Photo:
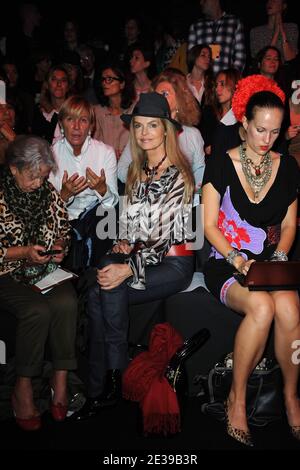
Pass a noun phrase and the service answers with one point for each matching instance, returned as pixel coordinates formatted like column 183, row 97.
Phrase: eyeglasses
column 110, row 79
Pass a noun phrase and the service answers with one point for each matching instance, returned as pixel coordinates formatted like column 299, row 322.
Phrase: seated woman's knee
column 69, row 302
column 287, row 309
column 261, row 308
column 38, row 313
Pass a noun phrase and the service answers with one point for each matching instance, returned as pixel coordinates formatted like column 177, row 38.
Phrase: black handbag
column 175, row 372
column 264, row 392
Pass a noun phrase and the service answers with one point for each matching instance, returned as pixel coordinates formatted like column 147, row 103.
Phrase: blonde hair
column 174, row 154
column 74, row 106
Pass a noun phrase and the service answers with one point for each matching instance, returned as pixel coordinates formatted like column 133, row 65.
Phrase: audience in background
column 219, row 112
column 21, row 100
column 142, row 67
column 200, row 76
column 54, row 92
column 223, row 32
column 116, row 95
column 276, row 33
column 7, row 125
column 87, row 61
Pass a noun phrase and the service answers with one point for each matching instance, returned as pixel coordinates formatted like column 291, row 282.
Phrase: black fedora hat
column 152, row 105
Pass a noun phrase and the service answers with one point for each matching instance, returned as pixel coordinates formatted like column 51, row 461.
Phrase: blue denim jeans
column 108, row 312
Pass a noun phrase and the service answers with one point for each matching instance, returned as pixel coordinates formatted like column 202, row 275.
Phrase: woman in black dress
column 250, row 207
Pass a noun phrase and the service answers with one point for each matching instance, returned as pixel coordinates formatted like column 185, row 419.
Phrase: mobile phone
column 50, row 252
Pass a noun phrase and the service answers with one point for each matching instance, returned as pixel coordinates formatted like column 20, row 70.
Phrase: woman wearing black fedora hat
column 149, row 260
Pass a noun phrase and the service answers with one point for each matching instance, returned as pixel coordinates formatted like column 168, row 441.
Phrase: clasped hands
column 114, row 274
column 75, row 184
column 278, row 23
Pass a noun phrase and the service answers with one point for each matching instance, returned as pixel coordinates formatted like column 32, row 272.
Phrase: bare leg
column 250, row 341
column 59, row 385
column 287, row 330
column 22, row 399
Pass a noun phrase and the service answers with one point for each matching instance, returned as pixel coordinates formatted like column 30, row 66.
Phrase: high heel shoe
column 58, row 411
column 244, row 437
column 33, row 423
column 174, row 371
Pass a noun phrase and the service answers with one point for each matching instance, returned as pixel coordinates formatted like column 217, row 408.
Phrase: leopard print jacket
column 12, row 229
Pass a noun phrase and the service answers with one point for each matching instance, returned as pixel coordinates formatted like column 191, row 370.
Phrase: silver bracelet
column 279, row 255
column 231, row 255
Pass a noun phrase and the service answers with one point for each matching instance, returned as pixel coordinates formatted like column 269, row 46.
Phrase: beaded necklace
column 262, row 172
column 151, row 172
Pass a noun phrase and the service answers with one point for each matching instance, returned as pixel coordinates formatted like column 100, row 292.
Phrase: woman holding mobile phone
column 34, row 236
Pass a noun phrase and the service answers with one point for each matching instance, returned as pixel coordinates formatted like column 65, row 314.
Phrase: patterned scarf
column 31, row 208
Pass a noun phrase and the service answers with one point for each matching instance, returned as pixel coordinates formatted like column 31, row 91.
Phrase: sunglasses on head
column 110, row 79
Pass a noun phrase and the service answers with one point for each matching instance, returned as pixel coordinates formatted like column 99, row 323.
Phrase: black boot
column 112, row 392
column 109, row 397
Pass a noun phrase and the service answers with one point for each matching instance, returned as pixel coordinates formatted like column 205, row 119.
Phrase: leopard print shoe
column 239, row 435
column 295, row 431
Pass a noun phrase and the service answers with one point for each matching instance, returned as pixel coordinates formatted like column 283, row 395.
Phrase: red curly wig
column 246, row 87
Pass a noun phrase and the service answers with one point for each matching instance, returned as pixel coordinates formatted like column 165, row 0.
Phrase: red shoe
column 27, row 424
column 58, row 411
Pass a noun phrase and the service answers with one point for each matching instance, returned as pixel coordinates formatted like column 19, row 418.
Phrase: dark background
column 104, row 18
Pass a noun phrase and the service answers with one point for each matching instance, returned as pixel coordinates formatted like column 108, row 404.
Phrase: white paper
column 54, row 278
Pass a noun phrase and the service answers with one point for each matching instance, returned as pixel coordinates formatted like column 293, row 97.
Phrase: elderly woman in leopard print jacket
column 33, row 219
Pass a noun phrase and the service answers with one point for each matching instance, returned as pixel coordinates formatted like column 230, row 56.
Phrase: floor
column 116, row 432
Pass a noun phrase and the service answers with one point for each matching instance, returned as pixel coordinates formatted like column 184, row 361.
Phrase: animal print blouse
column 155, row 219
column 12, row 229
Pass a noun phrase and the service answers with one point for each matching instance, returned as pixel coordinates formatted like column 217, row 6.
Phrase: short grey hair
column 30, row 152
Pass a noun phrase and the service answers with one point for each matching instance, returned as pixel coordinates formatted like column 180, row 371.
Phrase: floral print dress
column 254, row 229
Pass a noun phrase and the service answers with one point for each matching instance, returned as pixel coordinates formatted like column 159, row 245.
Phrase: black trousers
column 51, row 316
column 108, row 312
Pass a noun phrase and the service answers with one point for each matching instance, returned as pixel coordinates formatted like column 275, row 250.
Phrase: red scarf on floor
column 144, row 381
